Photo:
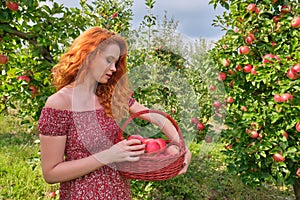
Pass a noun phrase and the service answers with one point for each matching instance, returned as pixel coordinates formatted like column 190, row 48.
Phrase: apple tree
column 33, row 35
column 260, row 54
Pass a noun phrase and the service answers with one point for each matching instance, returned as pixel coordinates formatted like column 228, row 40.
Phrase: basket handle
column 135, row 115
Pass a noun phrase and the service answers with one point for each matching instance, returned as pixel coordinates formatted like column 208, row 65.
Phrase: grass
column 207, row 178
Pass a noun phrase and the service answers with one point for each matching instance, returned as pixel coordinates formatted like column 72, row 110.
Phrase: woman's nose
column 113, row 68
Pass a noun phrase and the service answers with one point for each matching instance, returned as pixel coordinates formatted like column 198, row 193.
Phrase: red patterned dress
column 87, row 132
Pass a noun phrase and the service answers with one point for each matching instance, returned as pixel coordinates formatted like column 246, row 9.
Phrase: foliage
column 34, row 37
column 254, row 107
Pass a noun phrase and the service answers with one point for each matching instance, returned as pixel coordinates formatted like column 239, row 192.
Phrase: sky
column 195, row 17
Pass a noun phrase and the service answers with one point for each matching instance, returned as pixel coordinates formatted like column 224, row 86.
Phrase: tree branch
column 31, row 39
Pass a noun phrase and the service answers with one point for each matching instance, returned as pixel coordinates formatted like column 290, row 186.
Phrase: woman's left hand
column 186, row 162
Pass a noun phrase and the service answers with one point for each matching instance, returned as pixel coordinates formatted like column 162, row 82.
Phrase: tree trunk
column 296, row 187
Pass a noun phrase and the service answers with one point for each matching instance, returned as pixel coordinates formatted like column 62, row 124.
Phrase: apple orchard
column 258, row 59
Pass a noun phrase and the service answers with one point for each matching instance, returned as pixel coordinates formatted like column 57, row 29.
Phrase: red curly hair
column 72, row 67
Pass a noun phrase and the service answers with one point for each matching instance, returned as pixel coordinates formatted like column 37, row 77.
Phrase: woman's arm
column 162, row 122
column 55, row 169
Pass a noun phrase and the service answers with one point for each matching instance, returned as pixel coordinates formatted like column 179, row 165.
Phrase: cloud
column 195, row 17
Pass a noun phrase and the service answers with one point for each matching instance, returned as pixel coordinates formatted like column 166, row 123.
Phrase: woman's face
column 103, row 65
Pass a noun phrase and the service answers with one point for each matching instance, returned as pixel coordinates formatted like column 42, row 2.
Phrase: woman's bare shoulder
column 61, row 100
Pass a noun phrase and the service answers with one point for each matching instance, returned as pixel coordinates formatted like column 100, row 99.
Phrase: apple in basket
column 172, row 149
column 154, row 145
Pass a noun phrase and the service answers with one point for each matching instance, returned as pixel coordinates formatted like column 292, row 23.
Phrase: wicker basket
column 153, row 167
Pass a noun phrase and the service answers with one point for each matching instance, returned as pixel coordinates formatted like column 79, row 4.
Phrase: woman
column 78, row 124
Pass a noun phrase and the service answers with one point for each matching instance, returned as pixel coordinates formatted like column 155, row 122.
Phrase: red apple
column 139, row 137
column 251, row 7
column 295, row 22
column 161, row 142
column 253, row 71
column 200, row 126
column 33, row 89
column 298, row 126
column 24, row 78
column 286, row 97
column 285, row 9
column 3, row 59
column 247, row 68
column 291, row 75
column 285, row 134
column 195, row 120
column 229, row 100
column 152, row 146
column 296, row 68
column 52, row 194
column 217, row 104
column 226, row 63
column 172, row 149
column 244, row 50
column 278, row 157
column 298, row 172
column 222, row 76
column 244, row 108
column 268, row 58
column 248, row 40
column 238, row 68
column 208, row 139
column 145, row 140
column 277, row 98
column 12, row 5
column 212, row 87
column 114, row 15
column 253, row 134
column 257, row 10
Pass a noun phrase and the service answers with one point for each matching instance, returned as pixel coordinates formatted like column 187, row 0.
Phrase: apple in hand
column 139, row 137
column 291, row 75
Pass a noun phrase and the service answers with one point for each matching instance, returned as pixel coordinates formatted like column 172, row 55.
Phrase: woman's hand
column 186, row 162
column 126, row 150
